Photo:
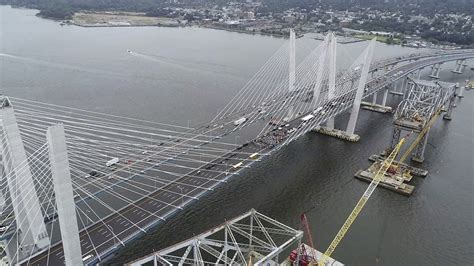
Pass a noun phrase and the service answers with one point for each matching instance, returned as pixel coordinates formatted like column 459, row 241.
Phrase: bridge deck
column 214, row 173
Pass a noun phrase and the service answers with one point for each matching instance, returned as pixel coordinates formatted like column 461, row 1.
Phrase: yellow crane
column 355, row 212
column 420, row 136
column 375, row 181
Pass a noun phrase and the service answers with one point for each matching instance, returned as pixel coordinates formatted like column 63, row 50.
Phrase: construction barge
column 396, row 177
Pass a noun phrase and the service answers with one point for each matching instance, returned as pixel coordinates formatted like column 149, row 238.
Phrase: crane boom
column 420, row 136
column 304, row 223
column 355, row 212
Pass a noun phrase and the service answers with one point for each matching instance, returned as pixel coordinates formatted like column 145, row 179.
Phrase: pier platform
column 376, row 107
column 337, row 133
column 396, row 93
column 413, row 170
column 394, row 183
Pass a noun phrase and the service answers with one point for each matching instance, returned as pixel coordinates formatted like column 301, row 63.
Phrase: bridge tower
column 364, row 68
column 320, row 67
column 360, row 91
column 292, row 61
column 292, row 70
column 64, row 194
column 332, row 73
column 31, row 230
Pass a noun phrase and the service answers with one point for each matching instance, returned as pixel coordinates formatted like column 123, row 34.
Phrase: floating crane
column 363, row 200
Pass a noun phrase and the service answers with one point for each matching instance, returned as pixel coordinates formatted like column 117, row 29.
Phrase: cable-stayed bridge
column 122, row 176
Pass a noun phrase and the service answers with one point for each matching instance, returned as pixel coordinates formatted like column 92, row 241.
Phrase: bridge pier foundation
column 419, row 73
column 435, row 70
column 64, row 195
column 374, row 98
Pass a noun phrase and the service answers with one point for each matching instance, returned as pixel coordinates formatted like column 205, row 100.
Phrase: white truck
column 317, row 110
column 240, row 121
column 307, row 118
column 112, row 162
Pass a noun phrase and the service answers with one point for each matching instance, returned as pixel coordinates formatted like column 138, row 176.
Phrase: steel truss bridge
column 76, row 184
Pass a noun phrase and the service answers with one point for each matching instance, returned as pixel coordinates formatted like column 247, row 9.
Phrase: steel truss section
column 423, row 99
column 249, row 237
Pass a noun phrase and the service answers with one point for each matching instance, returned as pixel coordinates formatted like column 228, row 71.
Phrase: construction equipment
column 363, row 200
column 420, row 136
column 305, row 224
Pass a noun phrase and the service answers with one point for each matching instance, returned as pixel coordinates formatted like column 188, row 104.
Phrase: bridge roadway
column 161, row 203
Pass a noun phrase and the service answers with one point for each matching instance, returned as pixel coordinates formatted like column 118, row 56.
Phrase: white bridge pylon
column 17, row 176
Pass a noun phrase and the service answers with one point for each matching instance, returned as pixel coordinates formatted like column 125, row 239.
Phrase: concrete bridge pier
column 460, row 66
column 419, row 73
column 419, row 154
column 435, row 69
column 379, row 108
column 396, row 133
column 461, row 92
column 449, row 112
column 398, row 87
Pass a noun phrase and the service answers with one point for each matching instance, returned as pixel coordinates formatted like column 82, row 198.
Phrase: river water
column 190, row 74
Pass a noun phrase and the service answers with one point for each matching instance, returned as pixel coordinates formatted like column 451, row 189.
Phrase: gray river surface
column 185, row 75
